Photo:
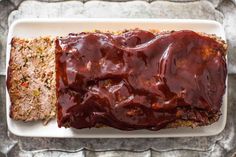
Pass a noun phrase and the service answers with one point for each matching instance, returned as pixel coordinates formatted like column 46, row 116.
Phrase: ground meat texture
column 31, row 79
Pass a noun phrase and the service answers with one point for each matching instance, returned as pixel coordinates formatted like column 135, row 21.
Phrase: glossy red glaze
column 138, row 80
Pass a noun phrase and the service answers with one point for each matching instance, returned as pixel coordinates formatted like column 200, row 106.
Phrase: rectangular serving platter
column 31, row 28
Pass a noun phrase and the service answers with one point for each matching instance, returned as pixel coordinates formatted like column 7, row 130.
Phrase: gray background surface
column 223, row 144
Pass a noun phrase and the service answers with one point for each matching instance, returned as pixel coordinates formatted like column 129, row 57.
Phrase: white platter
column 30, row 28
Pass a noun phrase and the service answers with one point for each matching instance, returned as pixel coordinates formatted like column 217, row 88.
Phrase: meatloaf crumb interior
column 31, row 79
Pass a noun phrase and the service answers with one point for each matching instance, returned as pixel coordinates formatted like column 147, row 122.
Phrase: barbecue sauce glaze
column 138, row 80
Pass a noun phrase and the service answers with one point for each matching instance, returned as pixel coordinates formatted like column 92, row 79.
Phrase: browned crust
column 183, row 123
column 193, row 124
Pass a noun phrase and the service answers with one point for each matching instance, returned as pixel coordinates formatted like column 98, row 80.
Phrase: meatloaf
column 31, row 79
column 129, row 80
column 139, row 80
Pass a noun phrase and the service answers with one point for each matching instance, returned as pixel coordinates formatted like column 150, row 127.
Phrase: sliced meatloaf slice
column 31, row 79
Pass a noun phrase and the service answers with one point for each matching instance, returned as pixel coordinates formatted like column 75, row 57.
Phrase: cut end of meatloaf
column 31, row 79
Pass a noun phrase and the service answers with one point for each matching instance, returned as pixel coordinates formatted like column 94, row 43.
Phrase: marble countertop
column 223, row 11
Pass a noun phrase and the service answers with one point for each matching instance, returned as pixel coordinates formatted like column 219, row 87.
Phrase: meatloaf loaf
column 139, row 80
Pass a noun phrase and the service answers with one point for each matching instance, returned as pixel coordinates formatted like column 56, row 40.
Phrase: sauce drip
column 138, row 80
